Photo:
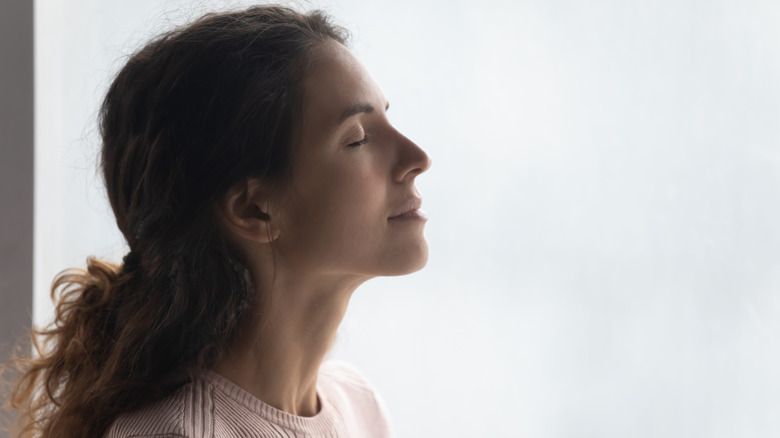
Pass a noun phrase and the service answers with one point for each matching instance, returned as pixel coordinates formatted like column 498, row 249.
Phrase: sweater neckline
column 322, row 421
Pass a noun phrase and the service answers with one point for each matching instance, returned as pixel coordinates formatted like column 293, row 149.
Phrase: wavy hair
column 195, row 111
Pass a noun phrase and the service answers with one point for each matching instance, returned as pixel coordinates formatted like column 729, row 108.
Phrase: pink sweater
column 213, row 407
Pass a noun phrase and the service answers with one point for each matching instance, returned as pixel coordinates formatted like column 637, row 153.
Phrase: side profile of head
column 199, row 111
column 349, row 209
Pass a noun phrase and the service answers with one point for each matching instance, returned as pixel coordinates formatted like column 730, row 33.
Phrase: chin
column 407, row 262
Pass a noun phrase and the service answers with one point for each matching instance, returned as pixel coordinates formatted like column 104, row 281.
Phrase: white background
column 604, row 202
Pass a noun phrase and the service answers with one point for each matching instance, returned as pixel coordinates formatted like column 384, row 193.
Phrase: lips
column 408, row 208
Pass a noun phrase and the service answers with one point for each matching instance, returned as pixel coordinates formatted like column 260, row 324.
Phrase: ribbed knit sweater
column 213, row 407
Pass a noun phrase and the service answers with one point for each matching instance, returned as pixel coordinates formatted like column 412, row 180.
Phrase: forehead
column 334, row 81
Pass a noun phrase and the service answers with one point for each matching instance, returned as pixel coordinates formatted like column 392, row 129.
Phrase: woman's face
column 353, row 178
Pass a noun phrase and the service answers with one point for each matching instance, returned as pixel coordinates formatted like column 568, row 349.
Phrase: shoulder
column 183, row 414
column 346, row 374
column 355, row 398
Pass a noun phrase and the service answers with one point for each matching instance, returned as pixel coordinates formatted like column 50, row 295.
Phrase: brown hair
column 195, row 111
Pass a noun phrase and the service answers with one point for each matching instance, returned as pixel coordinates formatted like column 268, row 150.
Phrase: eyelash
column 359, row 142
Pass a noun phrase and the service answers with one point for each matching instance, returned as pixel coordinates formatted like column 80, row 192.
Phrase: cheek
column 353, row 199
column 349, row 185
column 339, row 208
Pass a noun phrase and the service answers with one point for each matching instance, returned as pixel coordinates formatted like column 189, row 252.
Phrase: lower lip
column 414, row 215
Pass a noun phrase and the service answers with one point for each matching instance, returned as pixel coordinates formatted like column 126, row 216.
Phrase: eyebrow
column 361, row 108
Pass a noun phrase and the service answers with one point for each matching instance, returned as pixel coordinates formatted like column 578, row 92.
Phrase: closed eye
column 360, row 142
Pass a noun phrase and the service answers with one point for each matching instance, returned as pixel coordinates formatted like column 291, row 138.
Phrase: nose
column 412, row 160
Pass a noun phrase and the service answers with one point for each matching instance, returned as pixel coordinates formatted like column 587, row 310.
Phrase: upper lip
column 410, row 205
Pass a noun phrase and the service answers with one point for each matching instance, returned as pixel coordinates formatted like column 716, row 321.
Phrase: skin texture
column 325, row 234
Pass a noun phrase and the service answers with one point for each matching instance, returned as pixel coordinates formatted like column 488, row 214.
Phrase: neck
column 277, row 357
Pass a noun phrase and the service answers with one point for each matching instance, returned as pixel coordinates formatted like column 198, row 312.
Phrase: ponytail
column 124, row 336
column 58, row 384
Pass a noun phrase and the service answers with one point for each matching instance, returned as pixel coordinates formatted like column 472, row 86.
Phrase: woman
column 251, row 168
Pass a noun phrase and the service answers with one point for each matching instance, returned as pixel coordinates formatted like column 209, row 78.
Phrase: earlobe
column 244, row 211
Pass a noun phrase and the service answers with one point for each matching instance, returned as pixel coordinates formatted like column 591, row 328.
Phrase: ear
column 243, row 210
